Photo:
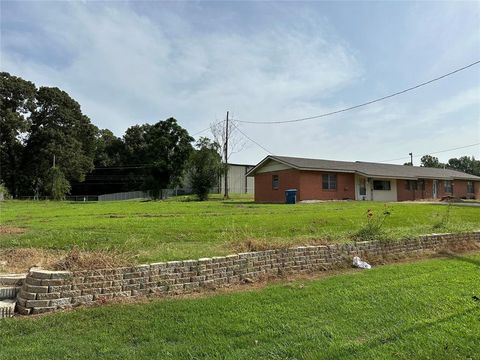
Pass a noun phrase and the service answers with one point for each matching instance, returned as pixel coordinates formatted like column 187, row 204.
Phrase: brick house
column 316, row 179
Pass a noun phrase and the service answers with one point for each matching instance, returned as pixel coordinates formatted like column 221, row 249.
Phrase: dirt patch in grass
column 11, row 230
column 21, row 260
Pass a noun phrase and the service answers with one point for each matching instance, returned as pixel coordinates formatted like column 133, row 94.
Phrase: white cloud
column 126, row 68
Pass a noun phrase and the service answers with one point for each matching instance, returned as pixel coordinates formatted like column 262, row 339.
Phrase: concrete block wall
column 45, row 291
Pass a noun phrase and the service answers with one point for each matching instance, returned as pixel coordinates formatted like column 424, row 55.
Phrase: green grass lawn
column 421, row 310
column 165, row 230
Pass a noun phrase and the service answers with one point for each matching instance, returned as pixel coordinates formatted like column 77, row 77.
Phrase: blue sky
column 138, row 62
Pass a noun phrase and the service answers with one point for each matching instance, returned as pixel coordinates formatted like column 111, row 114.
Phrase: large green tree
column 431, row 161
column 17, row 101
column 135, row 141
column 204, row 167
column 166, row 149
column 58, row 131
column 109, row 149
column 466, row 164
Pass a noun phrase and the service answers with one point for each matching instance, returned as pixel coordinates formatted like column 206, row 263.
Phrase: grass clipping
column 21, row 260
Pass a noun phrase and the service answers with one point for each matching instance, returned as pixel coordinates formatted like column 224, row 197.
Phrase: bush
column 4, row 194
column 373, row 230
column 442, row 224
column 57, row 186
column 204, row 168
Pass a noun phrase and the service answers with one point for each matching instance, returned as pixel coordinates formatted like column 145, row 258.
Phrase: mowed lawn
column 166, row 230
column 420, row 310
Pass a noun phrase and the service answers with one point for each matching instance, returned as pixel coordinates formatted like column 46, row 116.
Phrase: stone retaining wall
column 45, row 291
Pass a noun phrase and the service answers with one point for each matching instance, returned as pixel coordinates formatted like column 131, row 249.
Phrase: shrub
column 4, row 194
column 57, row 185
column 442, row 224
column 373, row 230
column 204, row 168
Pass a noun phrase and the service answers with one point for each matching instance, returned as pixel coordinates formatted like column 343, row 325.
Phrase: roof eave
column 327, row 170
column 253, row 171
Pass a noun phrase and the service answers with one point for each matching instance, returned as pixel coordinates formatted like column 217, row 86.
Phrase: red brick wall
column 459, row 190
column 409, row 195
column 288, row 179
column 311, row 186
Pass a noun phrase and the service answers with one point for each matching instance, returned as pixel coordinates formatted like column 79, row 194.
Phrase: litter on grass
column 361, row 264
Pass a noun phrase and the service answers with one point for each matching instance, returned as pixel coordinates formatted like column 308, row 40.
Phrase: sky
column 138, row 62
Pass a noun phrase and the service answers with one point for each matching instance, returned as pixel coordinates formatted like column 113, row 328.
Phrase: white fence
column 165, row 193
column 124, row 196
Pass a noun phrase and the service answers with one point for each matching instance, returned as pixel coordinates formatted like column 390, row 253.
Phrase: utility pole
column 411, row 158
column 225, row 196
column 54, row 160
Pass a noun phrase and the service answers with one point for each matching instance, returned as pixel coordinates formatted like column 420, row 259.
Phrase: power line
column 137, row 166
column 434, row 152
column 365, row 103
column 201, row 131
column 208, row 128
column 253, row 141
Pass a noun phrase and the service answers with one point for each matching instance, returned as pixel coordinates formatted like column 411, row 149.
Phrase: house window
column 448, row 186
column 470, row 187
column 421, row 185
column 329, row 182
column 362, row 187
column 410, row 185
column 415, row 185
column 381, row 185
column 275, row 182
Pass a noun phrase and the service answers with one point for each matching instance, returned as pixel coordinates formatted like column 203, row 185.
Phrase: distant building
column 279, row 177
column 238, row 182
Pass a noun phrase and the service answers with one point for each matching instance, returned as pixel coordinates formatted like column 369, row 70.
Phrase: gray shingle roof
column 369, row 169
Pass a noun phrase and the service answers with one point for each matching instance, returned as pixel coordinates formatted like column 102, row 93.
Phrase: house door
column 362, row 189
column 435, row 189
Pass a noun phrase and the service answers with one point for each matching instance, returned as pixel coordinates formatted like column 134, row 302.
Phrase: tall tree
column 430, row 161
column 109, row 149
column 167, row 149
column 466, row 164
column 135, row 140
column 204, row 167
column 17, row 101
column 60, row 130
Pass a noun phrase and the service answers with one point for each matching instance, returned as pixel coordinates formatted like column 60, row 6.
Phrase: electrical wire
column 208, row 128
column 434, row 152
column 253, row 141
column 365, row 103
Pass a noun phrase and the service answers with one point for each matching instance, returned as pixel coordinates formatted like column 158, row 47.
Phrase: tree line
column 465, row 164
column 47, row 143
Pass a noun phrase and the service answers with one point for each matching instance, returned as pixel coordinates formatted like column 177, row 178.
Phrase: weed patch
column 443, row 223
column 373, row 229
column 21, row 260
